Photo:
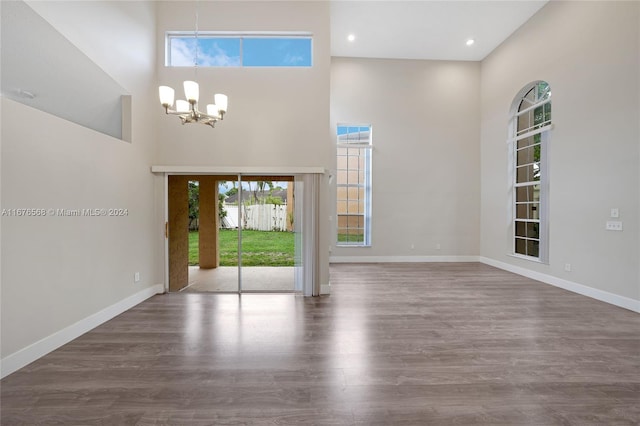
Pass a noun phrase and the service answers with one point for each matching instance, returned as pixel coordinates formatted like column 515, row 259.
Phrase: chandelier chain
column 196, row 38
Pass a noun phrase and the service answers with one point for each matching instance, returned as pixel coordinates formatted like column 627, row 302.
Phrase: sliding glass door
column 266, row 234
column 242, row 233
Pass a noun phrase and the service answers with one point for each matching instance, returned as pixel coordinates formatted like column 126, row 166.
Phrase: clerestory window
column 208, row 49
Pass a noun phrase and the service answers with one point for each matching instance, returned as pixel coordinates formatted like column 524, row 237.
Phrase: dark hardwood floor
column 394, row 344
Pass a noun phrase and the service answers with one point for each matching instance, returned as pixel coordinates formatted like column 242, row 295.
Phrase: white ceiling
column 425, row 29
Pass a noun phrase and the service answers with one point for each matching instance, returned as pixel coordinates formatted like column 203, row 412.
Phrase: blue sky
column 278, row 52
column 249, row 186
column 212, row 52
column 242, row 51
column 343, row 130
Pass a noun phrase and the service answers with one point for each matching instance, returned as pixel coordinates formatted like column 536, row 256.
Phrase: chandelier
column 188, row 110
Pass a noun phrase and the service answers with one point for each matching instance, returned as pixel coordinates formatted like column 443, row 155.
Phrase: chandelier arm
column 194, row 115
column 174, row 112
column 208, row 122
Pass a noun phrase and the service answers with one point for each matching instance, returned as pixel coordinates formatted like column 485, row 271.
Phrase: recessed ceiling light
column 470, row 42
column 351, row 37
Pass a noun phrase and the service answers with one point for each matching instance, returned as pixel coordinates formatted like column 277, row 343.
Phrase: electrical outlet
column 614, row 225
column 413, row 246
column 438, row 246
column 615, row 213
column 567, row 267
column 136, row 277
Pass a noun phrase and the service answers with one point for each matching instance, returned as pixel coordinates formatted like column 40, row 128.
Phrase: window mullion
column 534, row 106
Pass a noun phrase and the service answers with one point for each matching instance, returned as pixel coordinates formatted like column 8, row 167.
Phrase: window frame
column 543, row 129
column 240, row 36
column 367, row 148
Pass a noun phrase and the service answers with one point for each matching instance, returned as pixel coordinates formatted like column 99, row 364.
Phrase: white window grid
column 536, row 209
column 356, row 145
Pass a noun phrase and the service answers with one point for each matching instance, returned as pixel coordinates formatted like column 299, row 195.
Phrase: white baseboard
column 401, row 259
column 26, row 356
column 325, row 289
column 601, row 295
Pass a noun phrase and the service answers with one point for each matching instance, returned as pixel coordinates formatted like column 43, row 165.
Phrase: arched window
column 529, row 139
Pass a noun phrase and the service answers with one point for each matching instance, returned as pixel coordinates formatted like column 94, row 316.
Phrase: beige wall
column 589, row 53
column 59, row 270
column 278, row 117
column 425, row 125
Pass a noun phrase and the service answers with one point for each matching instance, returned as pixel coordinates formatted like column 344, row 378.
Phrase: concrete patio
column 254, row 278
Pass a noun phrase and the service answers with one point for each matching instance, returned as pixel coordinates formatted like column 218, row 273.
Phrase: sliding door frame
column 310, row 254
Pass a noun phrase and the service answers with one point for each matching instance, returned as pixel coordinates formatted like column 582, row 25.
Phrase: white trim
column 531, row 133
column 525, row 257
column 165, row 232
column 325, row 289
column 401, row 259
column 601, row 295
column 25, row 356
column 529, row 183
column 274, row 34
column 533, row 106
column 225, row 170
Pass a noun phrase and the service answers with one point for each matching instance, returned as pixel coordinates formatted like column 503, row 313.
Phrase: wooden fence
column 259, row 217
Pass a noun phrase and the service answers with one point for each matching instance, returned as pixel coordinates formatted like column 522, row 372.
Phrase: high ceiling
column 425, row 29
column 35, row 75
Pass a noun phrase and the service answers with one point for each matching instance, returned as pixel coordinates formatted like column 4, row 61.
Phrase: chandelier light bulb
column 191, row 91
column 213, row 111
column 182, row 106
column 221, row 101
column 166, row 96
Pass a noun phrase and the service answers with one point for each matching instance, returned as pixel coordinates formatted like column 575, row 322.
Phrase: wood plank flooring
column 395, row 344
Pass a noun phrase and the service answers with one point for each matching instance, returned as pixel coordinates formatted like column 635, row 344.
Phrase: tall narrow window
column 353, row 183
column 530, row 125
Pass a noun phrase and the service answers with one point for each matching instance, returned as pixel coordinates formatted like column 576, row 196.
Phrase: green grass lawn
column 351, row 238
column 259, row 248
